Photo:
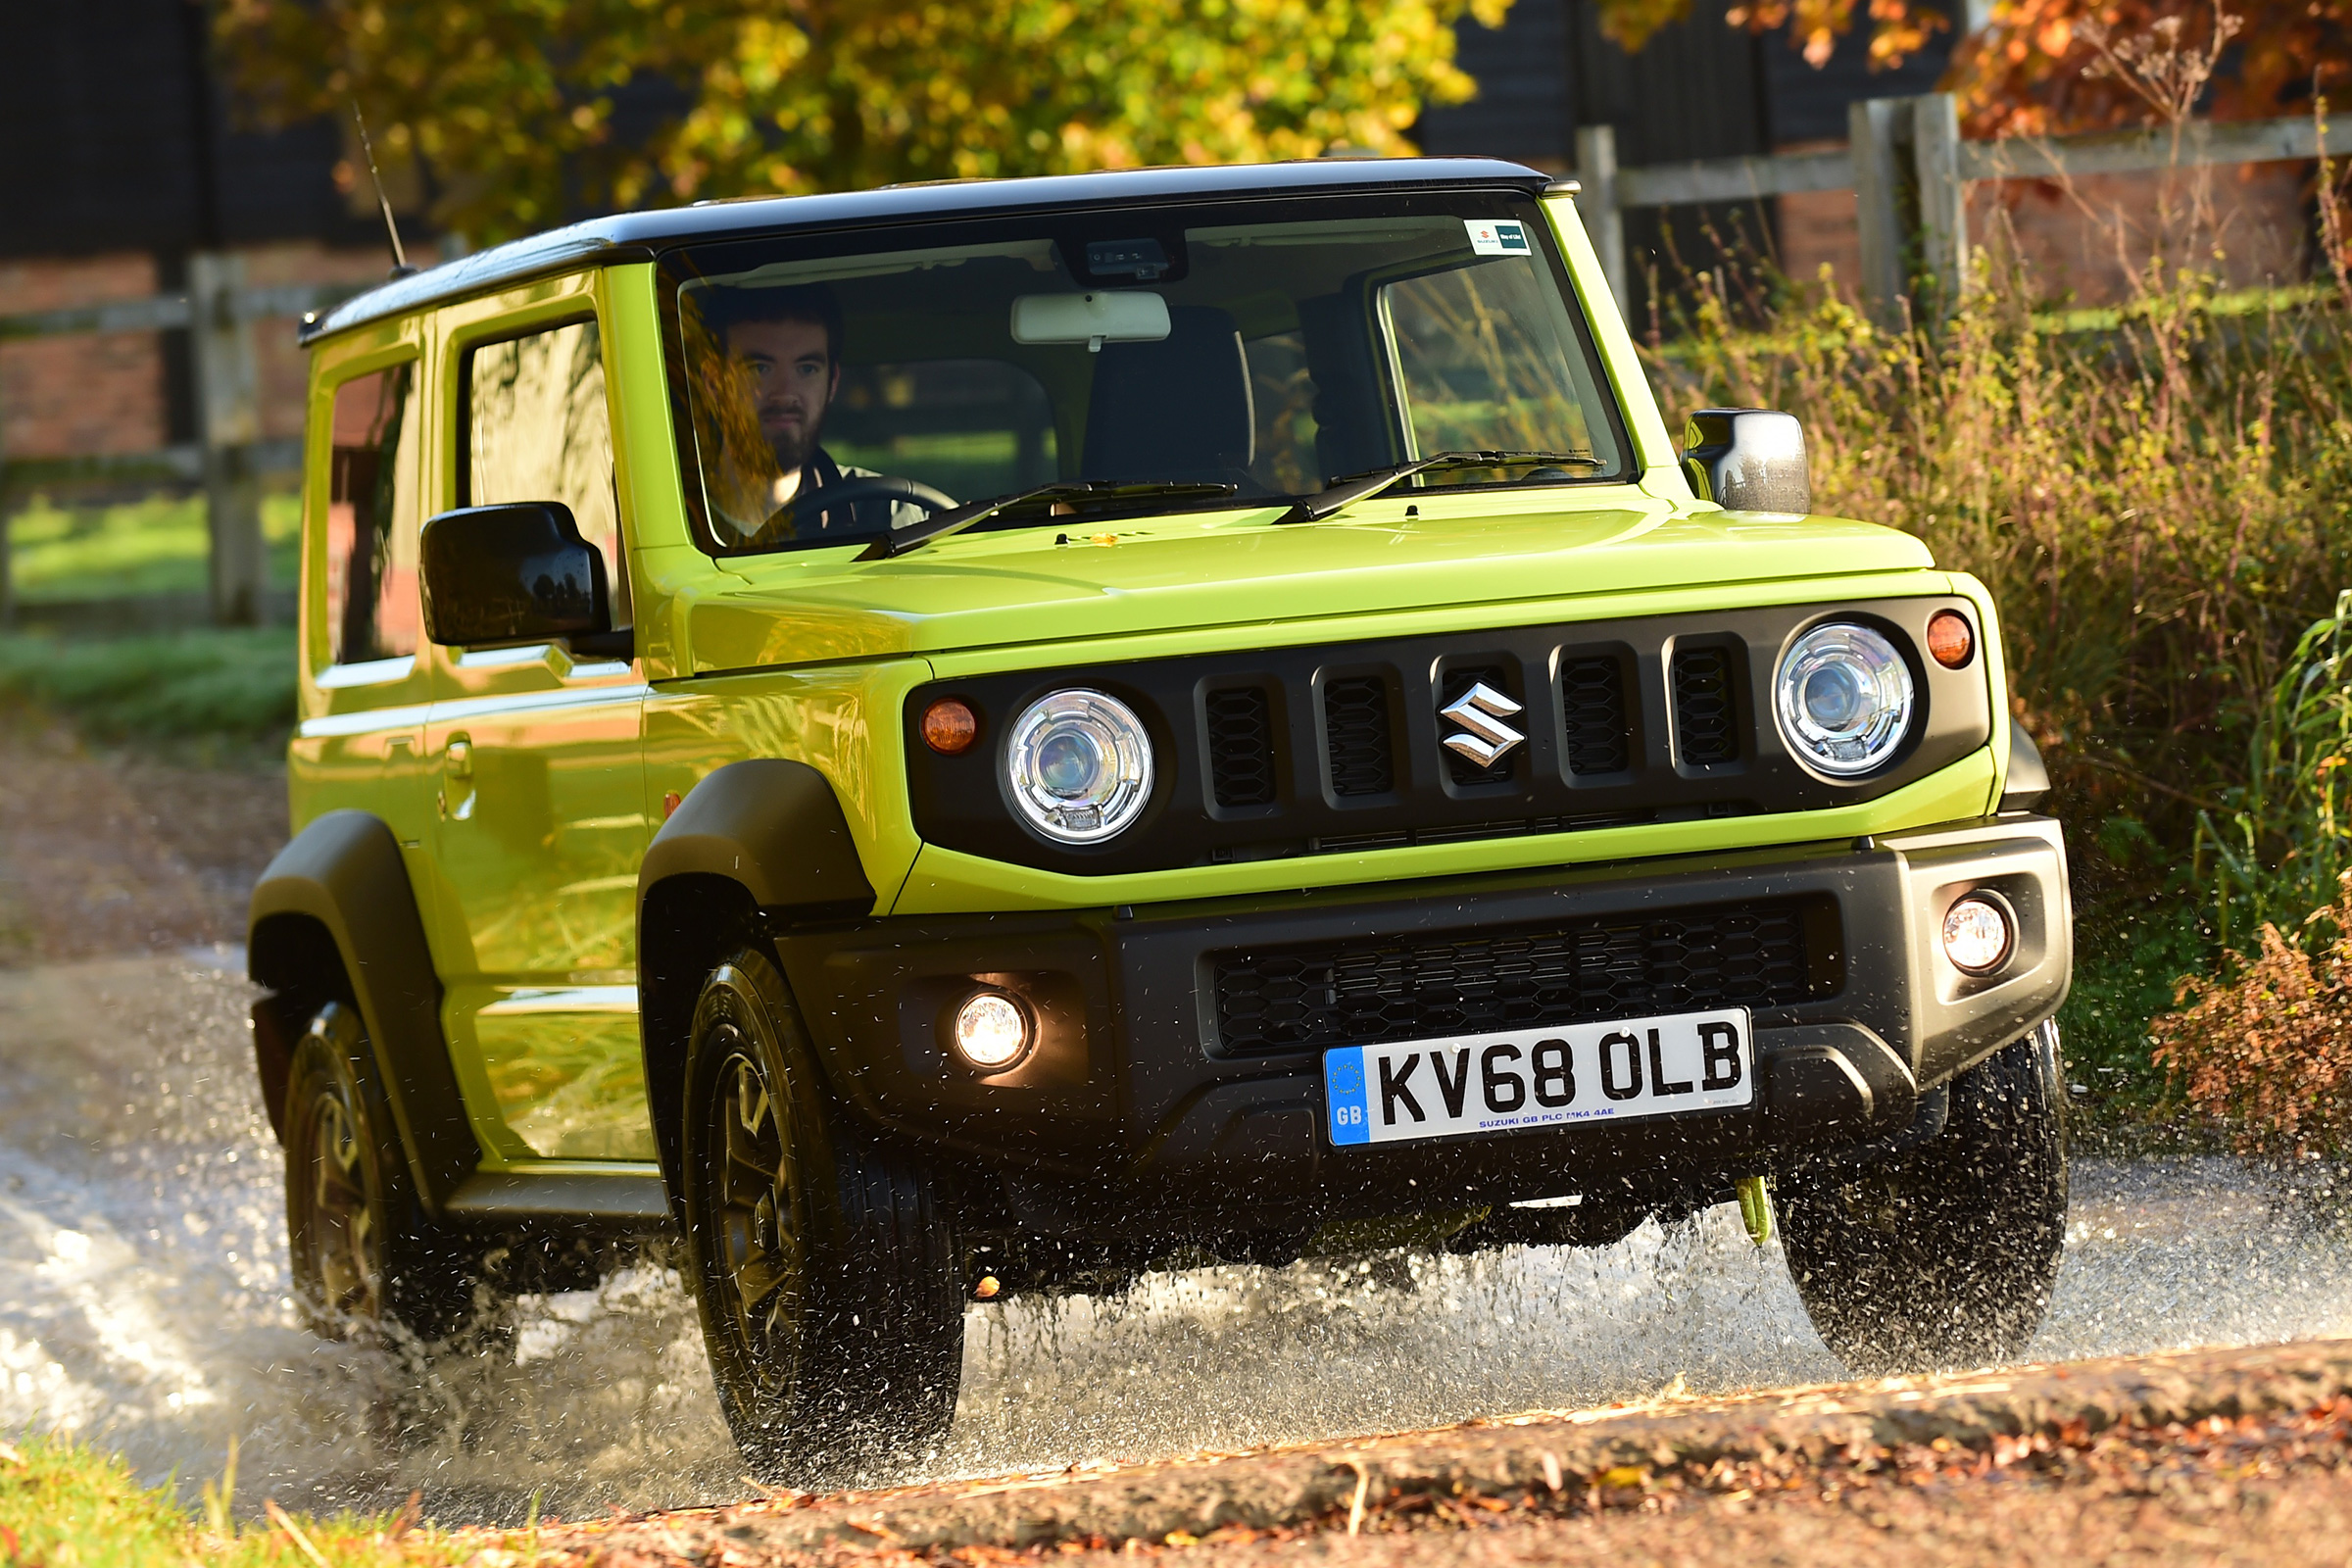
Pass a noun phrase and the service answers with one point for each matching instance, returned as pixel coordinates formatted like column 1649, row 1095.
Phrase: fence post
column 7, row 586
column 1943, row 198
column 228, row 407
column 1597, row 169
column 1870, row 131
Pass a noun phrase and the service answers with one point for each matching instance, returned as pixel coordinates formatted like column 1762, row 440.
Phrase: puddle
column 143, row 1306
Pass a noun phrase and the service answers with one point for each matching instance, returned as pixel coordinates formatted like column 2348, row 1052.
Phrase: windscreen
column 1139, row 360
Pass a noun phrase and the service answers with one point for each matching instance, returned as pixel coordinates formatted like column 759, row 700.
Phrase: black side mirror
column 517, row 572
column 1747, row 460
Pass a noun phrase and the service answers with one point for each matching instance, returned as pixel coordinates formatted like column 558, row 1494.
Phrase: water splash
column 143, row 1306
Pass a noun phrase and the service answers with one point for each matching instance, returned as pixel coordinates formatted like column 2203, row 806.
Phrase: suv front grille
column 1705, row 709
column 1240, row 746
column 1356, row 732
column 1296, row 751
column 1377, row 990
column 1593, row 702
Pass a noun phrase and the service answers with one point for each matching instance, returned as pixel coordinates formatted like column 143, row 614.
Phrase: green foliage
column 156, row 546
column 61, row 1503
column 2280, row 849
column 217, row 686
column 510, row 109
column 2130, row 954
column 2157, row 507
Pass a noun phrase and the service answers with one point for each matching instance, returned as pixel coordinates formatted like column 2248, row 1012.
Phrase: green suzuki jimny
column 970, row 737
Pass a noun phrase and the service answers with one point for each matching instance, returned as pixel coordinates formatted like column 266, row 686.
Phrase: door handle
column 456, row 799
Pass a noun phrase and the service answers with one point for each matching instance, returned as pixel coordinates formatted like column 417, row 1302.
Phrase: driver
column 784, row 346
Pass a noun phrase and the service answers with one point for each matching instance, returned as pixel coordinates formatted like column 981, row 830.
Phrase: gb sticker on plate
column 1496, row 237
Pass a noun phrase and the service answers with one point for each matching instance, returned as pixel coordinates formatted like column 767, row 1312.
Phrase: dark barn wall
column 1701, row 88
column 115, row 137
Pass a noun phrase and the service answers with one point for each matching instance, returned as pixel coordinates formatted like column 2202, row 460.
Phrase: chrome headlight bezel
column 1864, row 667
column 1100, row 751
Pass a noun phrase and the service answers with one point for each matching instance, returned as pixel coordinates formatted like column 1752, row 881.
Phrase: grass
column 215, row 689
column 156, row 546
column 66, row 1506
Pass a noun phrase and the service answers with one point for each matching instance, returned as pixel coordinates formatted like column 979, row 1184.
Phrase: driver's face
column 793, row 379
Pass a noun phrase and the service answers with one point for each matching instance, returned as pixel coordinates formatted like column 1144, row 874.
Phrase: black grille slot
column 1355, row 732
column 1608, row 966
column 1592, row 698
column 1705, row 715
column 1466, row 769
column 1240, row 746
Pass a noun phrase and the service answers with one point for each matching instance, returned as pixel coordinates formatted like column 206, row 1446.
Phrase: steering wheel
column 876, row 487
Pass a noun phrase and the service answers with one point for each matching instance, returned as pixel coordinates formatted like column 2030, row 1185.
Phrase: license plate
column 1539, row 1077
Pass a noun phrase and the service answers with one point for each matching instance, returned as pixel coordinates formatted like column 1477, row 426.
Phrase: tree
column 519, row 114
column 2039, row 66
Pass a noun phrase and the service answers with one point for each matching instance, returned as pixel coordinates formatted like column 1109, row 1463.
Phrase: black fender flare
column 340, row 893
column 762, row 837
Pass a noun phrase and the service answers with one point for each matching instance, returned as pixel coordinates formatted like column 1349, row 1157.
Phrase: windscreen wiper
column 1348, row 492
column 1073, row 493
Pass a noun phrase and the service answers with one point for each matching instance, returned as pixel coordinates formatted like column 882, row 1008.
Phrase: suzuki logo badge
column 1484, row 737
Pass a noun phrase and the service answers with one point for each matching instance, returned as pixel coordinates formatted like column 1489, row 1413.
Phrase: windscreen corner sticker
column 1495, row 237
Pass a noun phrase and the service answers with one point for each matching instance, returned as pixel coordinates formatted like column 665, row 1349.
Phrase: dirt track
column 2211, row 1457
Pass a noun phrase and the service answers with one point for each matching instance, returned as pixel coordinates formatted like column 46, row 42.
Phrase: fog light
column 991, row 1031
column 1978, row 935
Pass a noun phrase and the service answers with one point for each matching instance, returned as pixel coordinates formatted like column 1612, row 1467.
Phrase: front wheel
column 1942, row 1256
column 364, row 1256
column 824, row 1262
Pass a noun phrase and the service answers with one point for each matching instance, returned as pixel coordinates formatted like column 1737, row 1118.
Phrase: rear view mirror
column 516, row 572
column 1747, row 460
column 1093, row 319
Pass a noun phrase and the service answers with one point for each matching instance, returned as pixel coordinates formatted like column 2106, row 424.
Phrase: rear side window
column 537, row 430
column 371, row 518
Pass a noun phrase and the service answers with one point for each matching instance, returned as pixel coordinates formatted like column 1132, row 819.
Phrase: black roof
column 638, row 236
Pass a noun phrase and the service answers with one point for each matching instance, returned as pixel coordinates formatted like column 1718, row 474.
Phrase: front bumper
column 1134, row 1104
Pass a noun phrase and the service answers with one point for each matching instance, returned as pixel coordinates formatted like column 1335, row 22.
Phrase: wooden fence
column 1909, row 172
column 228, row 458
column 1906, row 163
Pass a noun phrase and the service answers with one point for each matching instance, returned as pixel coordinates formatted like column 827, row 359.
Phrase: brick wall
column 71, row 396
column 2088, row 235
column 64, row 396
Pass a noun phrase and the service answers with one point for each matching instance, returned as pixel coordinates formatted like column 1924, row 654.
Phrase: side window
column 371, row 518
column 537, row 430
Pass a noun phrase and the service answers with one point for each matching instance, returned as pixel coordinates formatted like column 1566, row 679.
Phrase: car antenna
column 400, row 255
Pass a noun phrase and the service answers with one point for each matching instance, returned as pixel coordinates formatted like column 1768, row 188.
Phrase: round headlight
column 1843, row 699
column 1079, row 765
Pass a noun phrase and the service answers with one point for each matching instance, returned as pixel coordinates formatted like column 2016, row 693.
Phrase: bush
column 234, row 687
column 2266, row 1054
column 2155, row 495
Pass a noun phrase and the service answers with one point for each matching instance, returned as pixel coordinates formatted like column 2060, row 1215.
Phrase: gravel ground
column 2202, row 1457
column 104, row 855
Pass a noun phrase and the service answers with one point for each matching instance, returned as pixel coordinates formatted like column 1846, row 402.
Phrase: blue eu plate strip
column 1344, row 1095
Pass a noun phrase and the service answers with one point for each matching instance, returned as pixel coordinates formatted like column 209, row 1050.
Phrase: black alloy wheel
column 366, row 1258
column 1941, row 1256
column 823, row 1262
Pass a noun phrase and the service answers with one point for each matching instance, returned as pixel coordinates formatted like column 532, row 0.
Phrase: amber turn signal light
column 950, row 727
column 1951, row 641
